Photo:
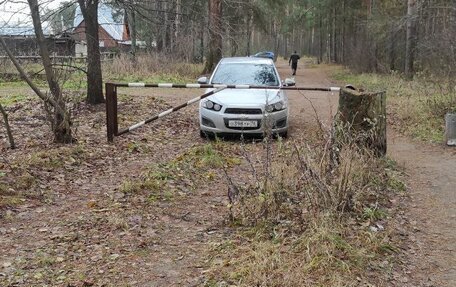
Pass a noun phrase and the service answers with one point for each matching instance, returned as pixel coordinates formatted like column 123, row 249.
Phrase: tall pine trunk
column 131, row 18
column 320, row 48
column 89, row 9
column 411, row 38
column 215, row 35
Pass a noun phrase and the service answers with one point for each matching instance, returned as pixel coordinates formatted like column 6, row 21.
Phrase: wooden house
column 113, row 33
column 21, row 41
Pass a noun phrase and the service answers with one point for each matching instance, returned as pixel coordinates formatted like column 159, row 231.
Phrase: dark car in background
column 265, row 54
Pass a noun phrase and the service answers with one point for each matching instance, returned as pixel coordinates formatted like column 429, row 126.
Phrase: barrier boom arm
column 111, row 100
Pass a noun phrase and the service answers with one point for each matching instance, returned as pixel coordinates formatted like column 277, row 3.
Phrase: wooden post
column 363, row 117
column 450, row 129
column 111, row 111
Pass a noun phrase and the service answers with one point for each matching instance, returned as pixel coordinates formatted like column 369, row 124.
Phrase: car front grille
column 241, row 111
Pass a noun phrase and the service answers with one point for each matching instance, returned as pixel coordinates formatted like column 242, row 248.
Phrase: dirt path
column 431, row 176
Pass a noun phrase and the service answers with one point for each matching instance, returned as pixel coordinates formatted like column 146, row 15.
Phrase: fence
column 111, row 100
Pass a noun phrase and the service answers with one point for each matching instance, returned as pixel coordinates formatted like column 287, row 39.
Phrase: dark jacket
column 294, row 58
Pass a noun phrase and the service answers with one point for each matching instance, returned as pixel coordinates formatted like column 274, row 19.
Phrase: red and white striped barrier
column 218, row 86
column 167, row 112
column 111, row 100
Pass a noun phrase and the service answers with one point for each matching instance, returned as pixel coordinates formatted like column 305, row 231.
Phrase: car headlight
column 275, row 107
column 217, row 107
column 278, row 106
column 212, row 106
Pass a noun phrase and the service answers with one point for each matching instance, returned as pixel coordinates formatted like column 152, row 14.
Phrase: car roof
column 246, row 60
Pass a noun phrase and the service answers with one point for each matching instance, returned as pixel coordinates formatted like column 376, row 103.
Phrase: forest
column 370, row 36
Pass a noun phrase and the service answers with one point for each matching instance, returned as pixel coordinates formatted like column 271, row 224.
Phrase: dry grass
column 416, row 107
column 147, row 68
column 300, row 221
column 150, row 68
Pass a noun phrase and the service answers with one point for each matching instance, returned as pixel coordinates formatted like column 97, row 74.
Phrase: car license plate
column 242, row 124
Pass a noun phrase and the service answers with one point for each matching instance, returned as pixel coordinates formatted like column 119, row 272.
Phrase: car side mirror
column 202, row 80
column 289, row 82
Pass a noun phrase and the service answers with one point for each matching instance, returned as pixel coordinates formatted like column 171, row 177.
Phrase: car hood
column 241, row 97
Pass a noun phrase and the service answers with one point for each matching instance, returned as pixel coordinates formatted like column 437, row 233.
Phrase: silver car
column 245, row 111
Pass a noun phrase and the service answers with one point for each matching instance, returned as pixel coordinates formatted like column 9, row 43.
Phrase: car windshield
column 245, row 74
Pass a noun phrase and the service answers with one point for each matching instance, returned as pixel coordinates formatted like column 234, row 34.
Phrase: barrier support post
column 111, row 111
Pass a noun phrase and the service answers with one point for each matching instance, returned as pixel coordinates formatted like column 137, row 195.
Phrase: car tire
column 283, row 134
column 206, row 135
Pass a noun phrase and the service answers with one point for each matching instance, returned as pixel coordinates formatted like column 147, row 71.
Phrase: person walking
column 294, row 62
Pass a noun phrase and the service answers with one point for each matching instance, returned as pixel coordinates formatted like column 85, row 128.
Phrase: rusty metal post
column 111, row 111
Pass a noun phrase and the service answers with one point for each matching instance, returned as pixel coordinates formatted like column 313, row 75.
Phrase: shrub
column 302, row 220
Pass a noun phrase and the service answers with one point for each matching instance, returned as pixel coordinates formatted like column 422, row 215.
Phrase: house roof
column 21, row 30
column 17, row 31
column 105, row 19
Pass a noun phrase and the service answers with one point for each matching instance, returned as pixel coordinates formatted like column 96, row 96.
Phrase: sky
column 17, row 12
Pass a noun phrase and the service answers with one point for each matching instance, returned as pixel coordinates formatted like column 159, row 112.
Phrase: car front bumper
column 219, row 122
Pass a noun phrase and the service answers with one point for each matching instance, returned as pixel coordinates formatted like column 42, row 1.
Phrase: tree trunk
column 215, row 35
column 362, row 117
column 277, row 40
column 320, row 29
column 249, row 21
column 61, row 124
column 312, row 41
column 333, row 36
column 411, row 38
column 202, row 51
column 392, row 49
column 344, row 23
column 158, row 28
column 131, row 16
column 177, row 23
column 166, row 36
column 234, row 44
column 7, row 127
column 89, row 9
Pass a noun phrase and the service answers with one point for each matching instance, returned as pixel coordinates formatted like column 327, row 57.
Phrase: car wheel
column 206, row 135
column 283, row 134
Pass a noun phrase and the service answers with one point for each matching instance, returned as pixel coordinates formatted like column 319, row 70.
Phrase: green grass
column 11, row 99
column 417, row 108
column 75, row 82
column 373, row 213
column 12, row 84
column 195, row 167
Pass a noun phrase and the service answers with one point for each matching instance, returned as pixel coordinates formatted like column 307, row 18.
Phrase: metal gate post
column 111, row 111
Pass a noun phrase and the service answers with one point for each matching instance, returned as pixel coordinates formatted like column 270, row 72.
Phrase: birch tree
column 55, row 103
